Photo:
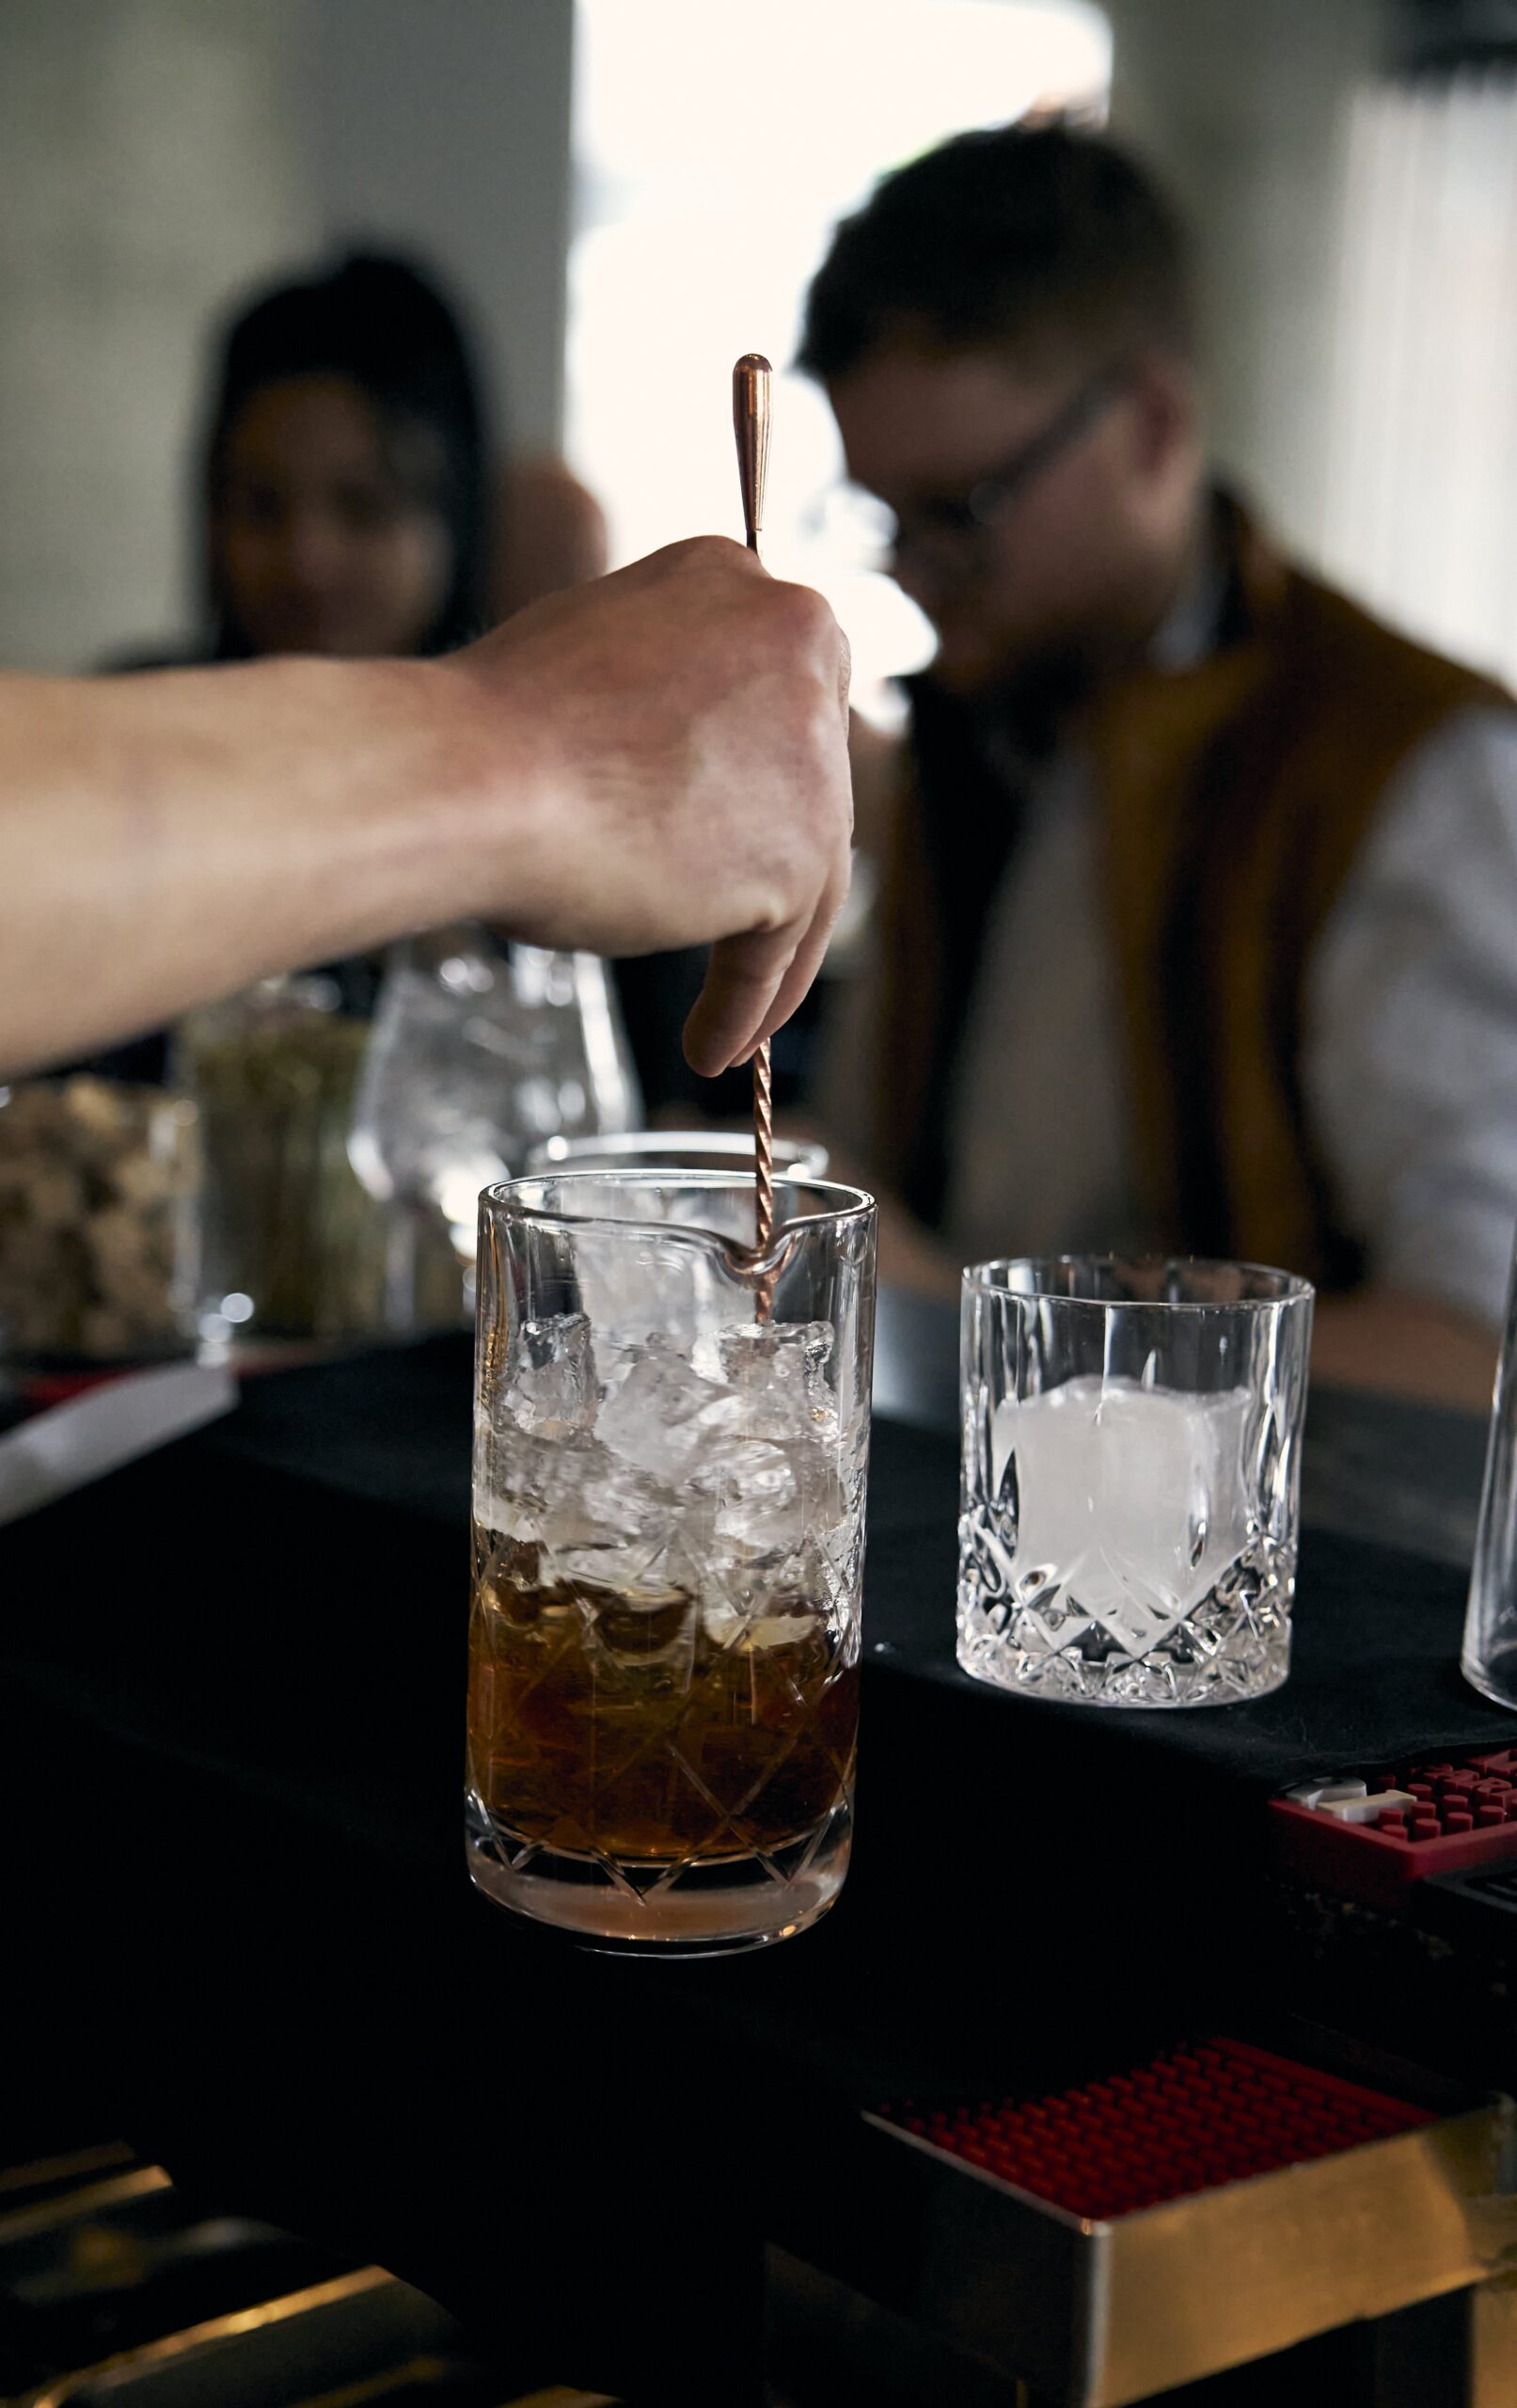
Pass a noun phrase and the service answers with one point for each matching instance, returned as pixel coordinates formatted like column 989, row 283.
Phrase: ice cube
column 1134, row 1499
column 594, row 1517
column 760, row 1509
column 550, row 1385
column 530, row 1487
column 625, row 1504
column 731, row 1464
column 779, row 1371
column 615, row 1356
column 665, row 1414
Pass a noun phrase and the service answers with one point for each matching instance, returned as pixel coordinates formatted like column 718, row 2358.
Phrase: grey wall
column 149, row 165
column 446, row 122
column 156, row 156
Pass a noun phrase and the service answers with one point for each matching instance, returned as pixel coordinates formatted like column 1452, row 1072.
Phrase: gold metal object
column 95, row 2198
column 1100, row 2314
column 118, row 2373
column 368, row 2309
column 44, row 2171
column 751, row 425
column 1493, row 2344
column 558, row 2396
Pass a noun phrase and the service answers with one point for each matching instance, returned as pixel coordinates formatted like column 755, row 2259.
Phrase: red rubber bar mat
column 1218, row 2110
column 1442, row 1814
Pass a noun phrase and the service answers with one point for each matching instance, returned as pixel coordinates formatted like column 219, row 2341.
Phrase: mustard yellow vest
column 1231, row 801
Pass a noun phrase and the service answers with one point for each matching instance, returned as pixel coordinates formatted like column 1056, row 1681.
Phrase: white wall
column 1243, row 107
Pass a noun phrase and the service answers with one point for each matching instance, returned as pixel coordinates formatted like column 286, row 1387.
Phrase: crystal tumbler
column 1130, row 1478
column 669, row 1497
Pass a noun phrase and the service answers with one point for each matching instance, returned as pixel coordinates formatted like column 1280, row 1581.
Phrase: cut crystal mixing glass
column 678, row 1149
column 669, row 1500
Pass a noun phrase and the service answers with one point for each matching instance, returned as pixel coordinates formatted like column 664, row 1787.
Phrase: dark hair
column 1030, row 233
column 386, row 328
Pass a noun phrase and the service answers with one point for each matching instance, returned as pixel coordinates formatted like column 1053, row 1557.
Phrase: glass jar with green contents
column 292, row 1245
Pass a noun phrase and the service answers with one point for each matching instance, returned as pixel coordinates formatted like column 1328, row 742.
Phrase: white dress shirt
column 1410, row 1054
column 1408, row 1060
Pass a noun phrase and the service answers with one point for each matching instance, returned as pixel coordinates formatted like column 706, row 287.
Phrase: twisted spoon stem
column 751, row 425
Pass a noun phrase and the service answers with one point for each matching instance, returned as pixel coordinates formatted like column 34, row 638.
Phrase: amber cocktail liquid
column 637, row 1724
column 668, row 1549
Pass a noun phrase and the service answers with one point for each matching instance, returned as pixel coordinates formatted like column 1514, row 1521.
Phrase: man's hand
column 680, row 727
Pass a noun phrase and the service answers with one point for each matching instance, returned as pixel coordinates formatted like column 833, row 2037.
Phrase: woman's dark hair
column 1024, row 233
column 385, row 328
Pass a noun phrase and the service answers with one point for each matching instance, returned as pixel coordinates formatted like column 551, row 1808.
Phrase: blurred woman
column 354, row 504
column 352, row 499
column 347, row 485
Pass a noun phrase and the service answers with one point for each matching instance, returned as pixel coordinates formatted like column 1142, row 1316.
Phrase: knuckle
column 808, row 622
column 799, row 859
column 714, row 552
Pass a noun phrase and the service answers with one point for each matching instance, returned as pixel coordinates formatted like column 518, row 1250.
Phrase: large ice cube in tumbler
column 1136, row 1499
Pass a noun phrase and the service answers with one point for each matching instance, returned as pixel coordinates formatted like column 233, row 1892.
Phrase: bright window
column 1421, row 515
column 714, row 148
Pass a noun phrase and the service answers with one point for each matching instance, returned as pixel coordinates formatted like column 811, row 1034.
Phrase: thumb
column 743, row 978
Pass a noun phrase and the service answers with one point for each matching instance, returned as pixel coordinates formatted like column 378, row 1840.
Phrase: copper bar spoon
column 750, row 424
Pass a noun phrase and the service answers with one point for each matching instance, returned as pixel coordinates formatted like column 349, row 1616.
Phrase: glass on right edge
column 1130, row 1477
column 1489, row 1661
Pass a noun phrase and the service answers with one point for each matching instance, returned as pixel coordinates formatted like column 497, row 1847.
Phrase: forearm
column 169, row 837
column 656, row 760
column 1406, row 1345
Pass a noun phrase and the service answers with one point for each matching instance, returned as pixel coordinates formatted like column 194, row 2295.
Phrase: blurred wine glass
column 479, row 1050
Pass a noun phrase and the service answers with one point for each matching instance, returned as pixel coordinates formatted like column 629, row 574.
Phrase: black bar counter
column 239, row 1921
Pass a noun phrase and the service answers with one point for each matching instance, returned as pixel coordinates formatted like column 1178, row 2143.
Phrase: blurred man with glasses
column 1198, row 914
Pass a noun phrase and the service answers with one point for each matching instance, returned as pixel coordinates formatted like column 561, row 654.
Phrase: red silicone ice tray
column 1217, row 2112
column 1463, row 1813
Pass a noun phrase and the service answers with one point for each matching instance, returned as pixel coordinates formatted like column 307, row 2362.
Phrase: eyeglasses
column 955, row 534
